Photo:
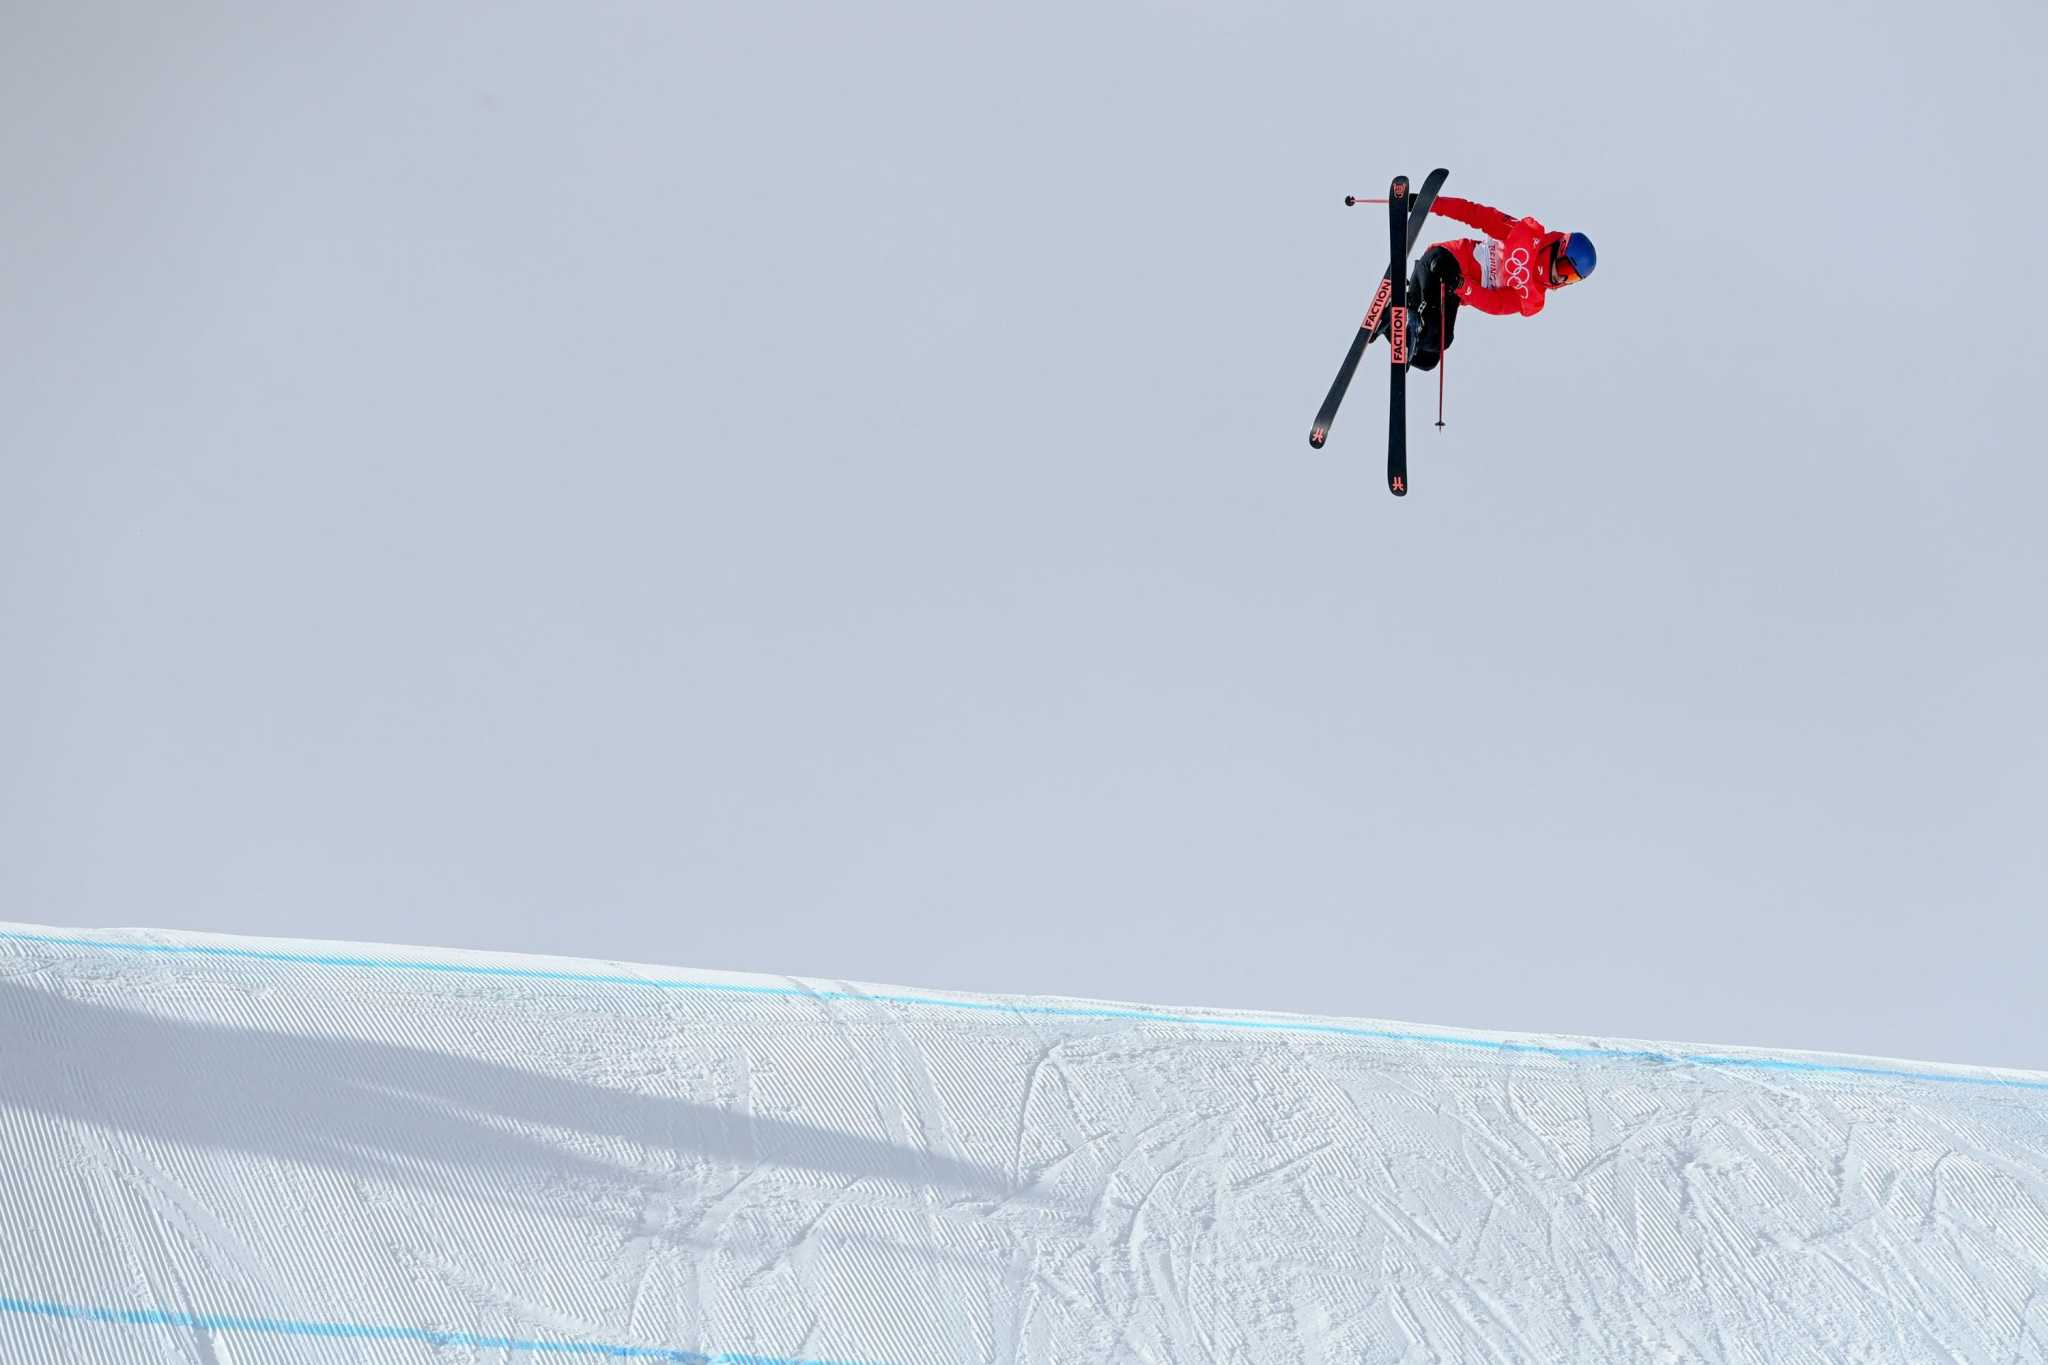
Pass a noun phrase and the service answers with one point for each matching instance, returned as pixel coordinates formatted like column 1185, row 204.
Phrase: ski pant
column 1433, row 291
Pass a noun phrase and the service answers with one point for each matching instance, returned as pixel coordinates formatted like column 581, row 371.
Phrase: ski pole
column 1351, row 199
column 1443, row 356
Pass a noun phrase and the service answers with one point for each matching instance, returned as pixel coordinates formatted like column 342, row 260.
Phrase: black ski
column 1397, row 337
column 1375, row 316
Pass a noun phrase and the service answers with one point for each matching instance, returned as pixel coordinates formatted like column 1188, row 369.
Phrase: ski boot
column 1418, row 321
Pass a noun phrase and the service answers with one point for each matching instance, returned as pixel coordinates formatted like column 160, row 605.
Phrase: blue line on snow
column 354, row 1331
column 1055, row 1011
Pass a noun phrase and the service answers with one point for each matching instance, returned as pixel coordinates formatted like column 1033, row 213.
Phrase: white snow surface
column 236, row 1150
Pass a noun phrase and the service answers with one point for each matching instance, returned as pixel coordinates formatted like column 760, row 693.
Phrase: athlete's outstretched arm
column 1490, row 221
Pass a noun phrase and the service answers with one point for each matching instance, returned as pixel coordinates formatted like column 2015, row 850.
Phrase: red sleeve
column 1490, row 221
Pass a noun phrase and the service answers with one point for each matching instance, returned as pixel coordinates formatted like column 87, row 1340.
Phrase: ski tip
column 1318, row 436
column 1398, row 487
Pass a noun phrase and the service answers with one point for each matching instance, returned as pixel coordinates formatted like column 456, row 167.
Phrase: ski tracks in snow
column 513, row 1154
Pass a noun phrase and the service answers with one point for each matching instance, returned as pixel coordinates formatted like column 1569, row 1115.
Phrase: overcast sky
column 823, row 489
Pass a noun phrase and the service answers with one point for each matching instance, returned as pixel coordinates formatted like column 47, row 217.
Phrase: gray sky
column 823, row 489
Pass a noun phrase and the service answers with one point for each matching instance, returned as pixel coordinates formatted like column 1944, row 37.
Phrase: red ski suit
column 1507, row 273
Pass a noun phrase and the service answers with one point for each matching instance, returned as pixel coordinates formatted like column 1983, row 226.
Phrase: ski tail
column 1366, row 330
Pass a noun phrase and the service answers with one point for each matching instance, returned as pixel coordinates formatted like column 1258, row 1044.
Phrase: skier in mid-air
column 1510, row 271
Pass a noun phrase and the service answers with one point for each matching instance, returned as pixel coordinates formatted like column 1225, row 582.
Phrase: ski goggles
column 1563, row 269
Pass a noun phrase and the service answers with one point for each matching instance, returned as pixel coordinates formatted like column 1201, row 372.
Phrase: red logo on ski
column 1379, row 305
column 1397, row 333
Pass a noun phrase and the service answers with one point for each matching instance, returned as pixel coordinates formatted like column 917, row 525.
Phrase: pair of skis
column 1389, row 313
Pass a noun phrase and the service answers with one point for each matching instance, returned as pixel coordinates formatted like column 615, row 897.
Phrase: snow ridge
column 249, row 1149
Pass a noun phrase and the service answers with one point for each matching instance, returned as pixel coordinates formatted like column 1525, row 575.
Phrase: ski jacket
column 1509, row 271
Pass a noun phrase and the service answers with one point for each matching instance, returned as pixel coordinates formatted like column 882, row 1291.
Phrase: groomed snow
column 232, row 1150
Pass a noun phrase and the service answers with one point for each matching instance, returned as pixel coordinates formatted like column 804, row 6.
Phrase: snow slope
column 230, row 1151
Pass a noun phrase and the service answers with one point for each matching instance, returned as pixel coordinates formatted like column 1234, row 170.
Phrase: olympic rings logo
column 1517, row 271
